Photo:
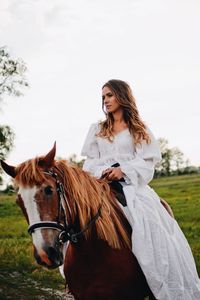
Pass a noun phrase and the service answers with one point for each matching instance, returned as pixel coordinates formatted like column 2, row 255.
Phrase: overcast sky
column 72, row 47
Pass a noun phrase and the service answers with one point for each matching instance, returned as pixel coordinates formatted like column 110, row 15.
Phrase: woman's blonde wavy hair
column 125, row 98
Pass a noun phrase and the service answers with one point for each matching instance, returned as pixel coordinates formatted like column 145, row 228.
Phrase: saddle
column 117, row 188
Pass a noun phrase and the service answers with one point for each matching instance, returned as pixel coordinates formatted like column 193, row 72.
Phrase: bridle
column 67, row 231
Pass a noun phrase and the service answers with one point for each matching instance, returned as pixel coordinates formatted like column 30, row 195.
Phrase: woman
column 157, row 241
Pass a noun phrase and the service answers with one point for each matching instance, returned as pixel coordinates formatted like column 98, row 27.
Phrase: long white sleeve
column 140, row 169
column 92, row 164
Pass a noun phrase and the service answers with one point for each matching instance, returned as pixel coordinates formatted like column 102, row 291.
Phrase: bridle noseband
column 67, row 232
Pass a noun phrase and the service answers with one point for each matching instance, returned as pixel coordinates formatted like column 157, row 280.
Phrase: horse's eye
column 48, row 190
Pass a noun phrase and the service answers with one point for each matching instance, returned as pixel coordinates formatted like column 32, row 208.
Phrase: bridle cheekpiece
column 67, row 232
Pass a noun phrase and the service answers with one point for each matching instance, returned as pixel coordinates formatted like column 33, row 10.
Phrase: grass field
column 21, row 278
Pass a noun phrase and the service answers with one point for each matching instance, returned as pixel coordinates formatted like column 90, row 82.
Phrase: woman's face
column 110, row 101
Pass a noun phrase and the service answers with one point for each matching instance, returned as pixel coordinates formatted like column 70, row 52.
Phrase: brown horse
column 63, row 203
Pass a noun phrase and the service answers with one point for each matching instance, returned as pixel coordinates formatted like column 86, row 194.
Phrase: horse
column 65, row 205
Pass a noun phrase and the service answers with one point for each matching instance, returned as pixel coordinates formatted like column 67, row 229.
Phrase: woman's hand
column 113, row 173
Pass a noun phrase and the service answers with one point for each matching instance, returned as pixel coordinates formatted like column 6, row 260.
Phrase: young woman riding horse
column 108, row 257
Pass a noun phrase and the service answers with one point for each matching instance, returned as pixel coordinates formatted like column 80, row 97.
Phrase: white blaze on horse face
column 28, row 197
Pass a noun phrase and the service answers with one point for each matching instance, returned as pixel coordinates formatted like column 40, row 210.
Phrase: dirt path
column 16, row 286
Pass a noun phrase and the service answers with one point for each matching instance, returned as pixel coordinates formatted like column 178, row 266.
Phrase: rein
column 67, row 231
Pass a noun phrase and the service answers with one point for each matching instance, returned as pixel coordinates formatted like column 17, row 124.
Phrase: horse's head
column 62, row 202
column 39, row 200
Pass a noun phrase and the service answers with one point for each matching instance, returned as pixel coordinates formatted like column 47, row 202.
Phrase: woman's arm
column 90, row 149
column 140, row 169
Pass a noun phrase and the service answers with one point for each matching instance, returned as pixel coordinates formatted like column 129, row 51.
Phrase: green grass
column 22, row 278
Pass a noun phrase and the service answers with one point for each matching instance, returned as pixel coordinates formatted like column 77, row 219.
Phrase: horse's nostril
column 38, row 259
column 53, row 254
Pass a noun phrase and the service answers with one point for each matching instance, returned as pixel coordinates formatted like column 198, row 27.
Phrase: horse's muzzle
column 49, row 257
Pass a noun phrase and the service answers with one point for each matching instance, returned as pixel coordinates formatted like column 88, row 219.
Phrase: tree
column 12, row 80
column 165, row 165
column 12, row 74
column 6, row 142
column 172, row 160
column 177, row 160
column 73, row 159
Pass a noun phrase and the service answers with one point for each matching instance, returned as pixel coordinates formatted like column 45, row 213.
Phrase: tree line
column 173, row 161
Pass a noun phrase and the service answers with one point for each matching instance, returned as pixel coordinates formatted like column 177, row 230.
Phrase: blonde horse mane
column 86, row 195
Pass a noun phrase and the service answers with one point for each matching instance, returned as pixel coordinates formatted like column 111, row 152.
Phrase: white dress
column 157, row 241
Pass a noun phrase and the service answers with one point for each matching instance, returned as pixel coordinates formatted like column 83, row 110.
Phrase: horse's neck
column 93, row 241
column 88, row 247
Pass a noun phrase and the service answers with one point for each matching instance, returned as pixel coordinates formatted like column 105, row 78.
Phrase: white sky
column 72, row 47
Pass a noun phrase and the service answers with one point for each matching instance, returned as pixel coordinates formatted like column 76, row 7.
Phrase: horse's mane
column 86, row 194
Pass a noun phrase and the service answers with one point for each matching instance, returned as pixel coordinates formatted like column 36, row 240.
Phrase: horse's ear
column 47, row 161
column 10, row 170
